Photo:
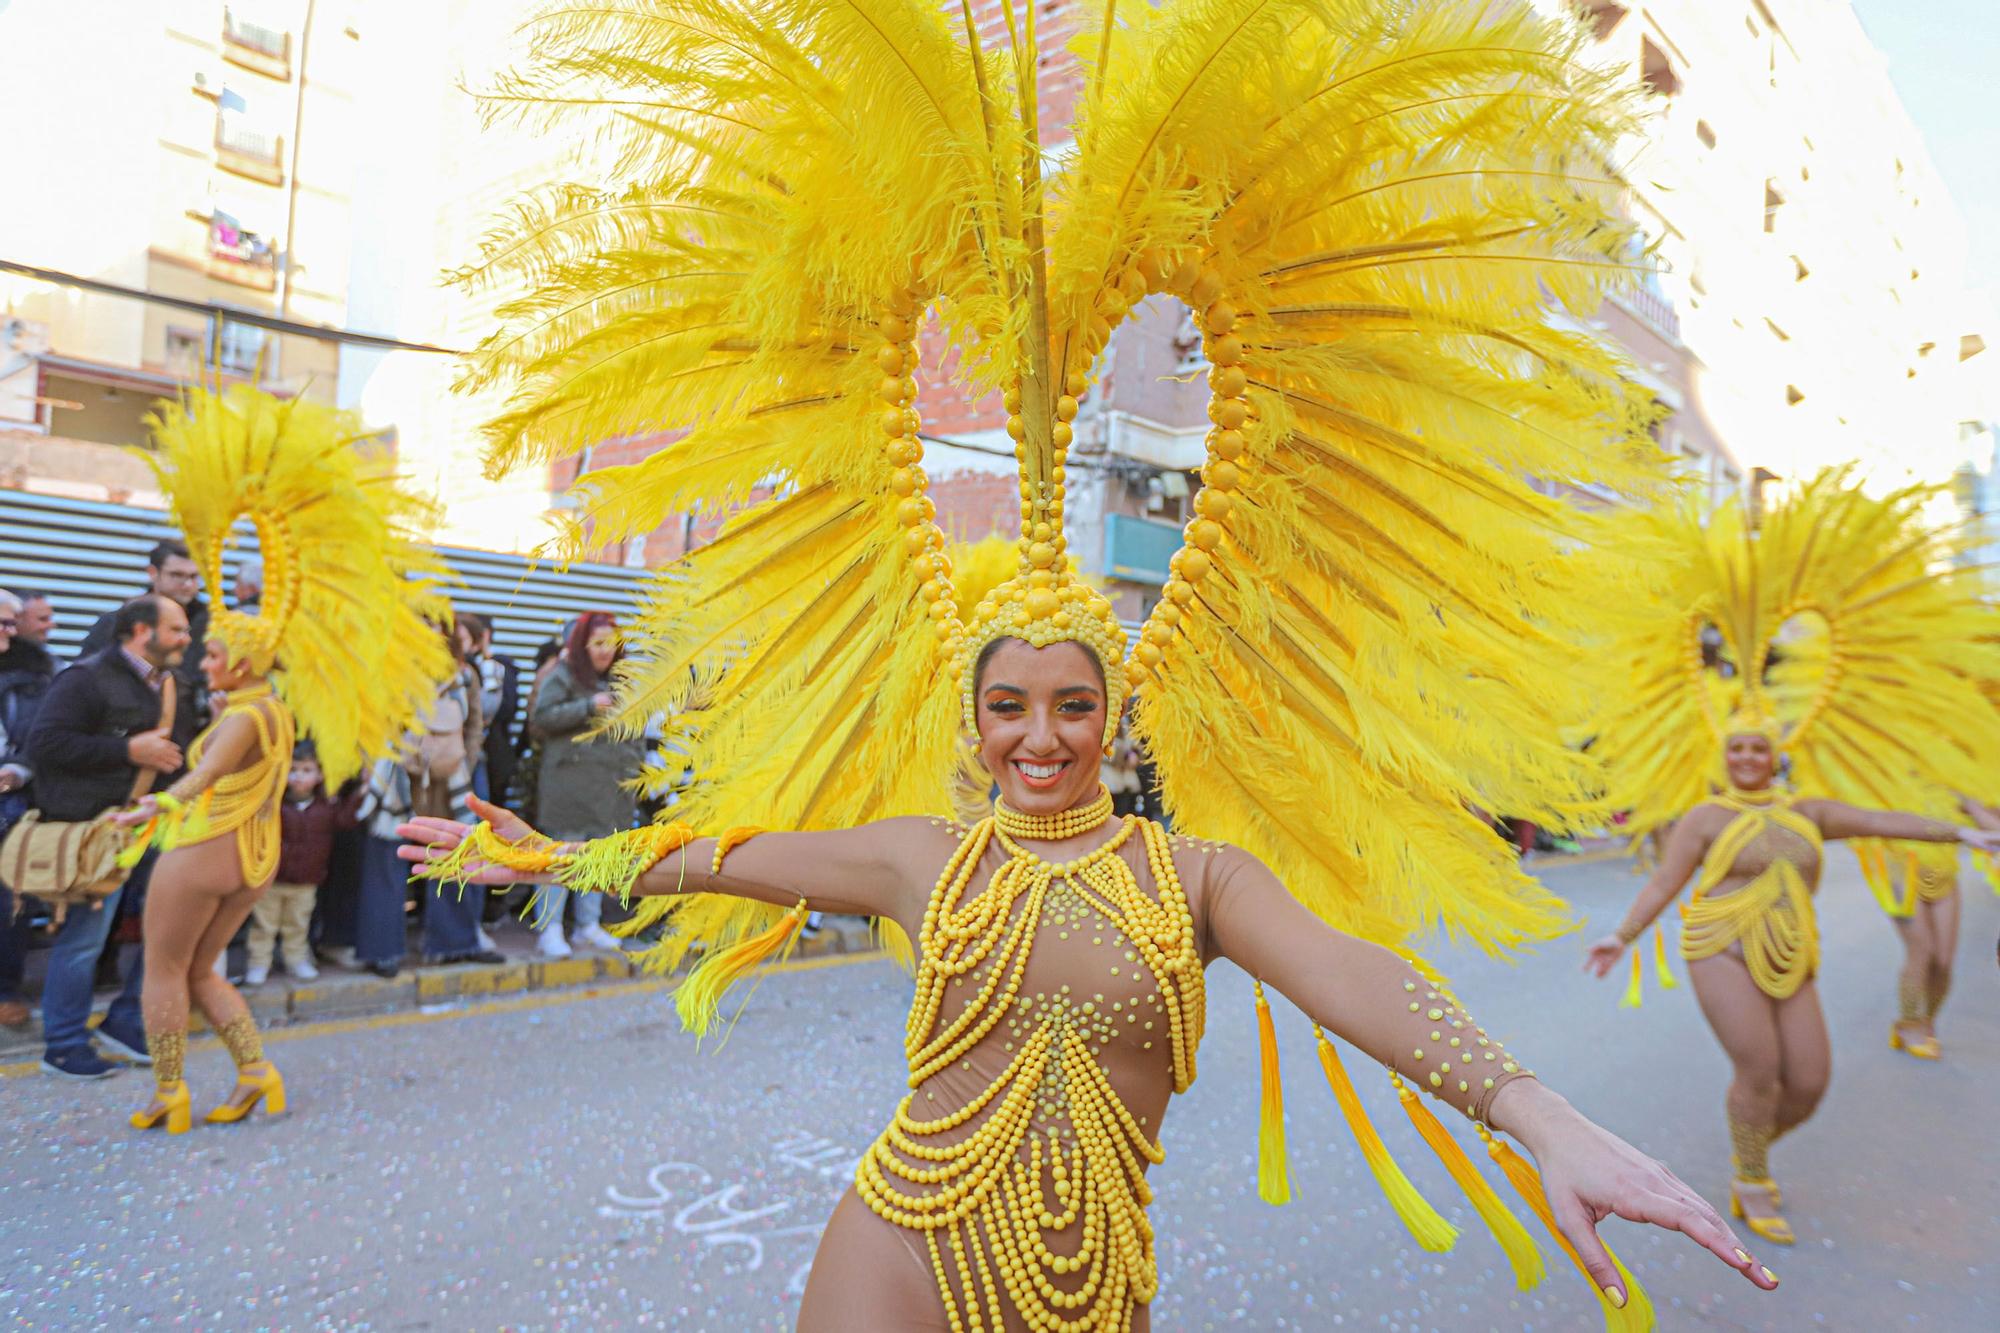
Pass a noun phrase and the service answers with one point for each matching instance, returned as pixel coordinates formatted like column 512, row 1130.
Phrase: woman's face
column 1040, row 714
column 602, row 645
column 1751, row 760
column 222, row 673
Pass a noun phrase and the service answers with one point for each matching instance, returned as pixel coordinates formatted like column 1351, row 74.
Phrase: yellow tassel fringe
column 1426, row 1225
column 698, row 1000
column 1635, row 990
column 1522, row 1253
column 610, row 865
column 1274, row 1176
column 1637, row 1314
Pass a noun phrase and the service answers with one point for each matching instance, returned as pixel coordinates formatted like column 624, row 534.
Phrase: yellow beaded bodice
column 247, row 802
column 1771, row 916
column 1031, row 1190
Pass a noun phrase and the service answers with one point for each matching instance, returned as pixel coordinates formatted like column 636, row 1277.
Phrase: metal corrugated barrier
column 90, row 557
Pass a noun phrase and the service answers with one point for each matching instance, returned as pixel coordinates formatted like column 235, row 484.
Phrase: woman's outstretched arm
column 880, row 869
column 1836, row 819
column 1376, row 1000
column 1686, row 846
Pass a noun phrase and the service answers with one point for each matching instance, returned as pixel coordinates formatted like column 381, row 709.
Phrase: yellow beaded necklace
column 984, row 1193
column 1070, row 823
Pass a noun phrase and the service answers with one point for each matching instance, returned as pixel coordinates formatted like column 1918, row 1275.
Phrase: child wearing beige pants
column 282, row 917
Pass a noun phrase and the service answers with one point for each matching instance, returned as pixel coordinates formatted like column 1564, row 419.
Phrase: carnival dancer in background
column 1878, row 639
column 338, row 651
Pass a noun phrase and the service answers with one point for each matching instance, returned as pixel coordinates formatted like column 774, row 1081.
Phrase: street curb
column 336, row 995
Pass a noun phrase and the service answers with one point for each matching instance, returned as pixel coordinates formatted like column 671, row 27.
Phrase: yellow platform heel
column 264, row 1084
column 171, row 1106
column 1917, row 1048
column 1774, row 1229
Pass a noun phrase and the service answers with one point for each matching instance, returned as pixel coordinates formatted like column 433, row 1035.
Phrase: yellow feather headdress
column 1846, row 628
column 1369, row 206
column 347, row 587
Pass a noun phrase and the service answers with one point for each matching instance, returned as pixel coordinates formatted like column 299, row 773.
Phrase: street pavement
column 571, row 1161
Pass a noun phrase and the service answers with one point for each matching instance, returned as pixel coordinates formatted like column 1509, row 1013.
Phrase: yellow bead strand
column 1012, row 1206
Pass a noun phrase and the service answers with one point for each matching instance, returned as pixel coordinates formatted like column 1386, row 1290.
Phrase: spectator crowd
column 83, row 737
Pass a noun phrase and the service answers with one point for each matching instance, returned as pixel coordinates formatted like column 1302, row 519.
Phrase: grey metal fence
column 89, row 557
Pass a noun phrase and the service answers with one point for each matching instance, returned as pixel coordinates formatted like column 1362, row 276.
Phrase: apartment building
column 1812, row 304
column 189, row 150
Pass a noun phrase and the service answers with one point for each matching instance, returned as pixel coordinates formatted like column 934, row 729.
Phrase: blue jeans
column 451, row 919
column 547, row 909
column 73, row 969
column 380, row 925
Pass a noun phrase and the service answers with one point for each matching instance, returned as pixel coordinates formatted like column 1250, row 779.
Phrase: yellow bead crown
column 1040, row 608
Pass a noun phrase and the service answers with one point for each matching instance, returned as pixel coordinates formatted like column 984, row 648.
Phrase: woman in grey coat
column 581, row 791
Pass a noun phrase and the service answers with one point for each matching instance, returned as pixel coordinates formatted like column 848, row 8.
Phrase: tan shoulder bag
column 75, row 861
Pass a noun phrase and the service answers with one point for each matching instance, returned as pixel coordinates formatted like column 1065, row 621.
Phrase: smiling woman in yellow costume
column 1368, row 205
column 1876, row 702
column 338, row 650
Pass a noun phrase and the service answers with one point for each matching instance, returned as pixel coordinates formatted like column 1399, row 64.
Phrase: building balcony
column 243, row 258
column 1655, row 309
column 255, row 47
column 248, row 152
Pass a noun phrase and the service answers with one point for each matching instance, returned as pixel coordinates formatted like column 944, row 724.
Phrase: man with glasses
column 169, row 573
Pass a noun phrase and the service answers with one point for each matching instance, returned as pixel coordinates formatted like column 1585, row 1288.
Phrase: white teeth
column 1041, row 770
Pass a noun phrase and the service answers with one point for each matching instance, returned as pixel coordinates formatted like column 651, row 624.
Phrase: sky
column 1944, row 56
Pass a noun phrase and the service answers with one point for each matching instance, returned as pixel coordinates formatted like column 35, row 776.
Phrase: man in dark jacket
column 25, row 672
column 98, row 727
column 170, row 572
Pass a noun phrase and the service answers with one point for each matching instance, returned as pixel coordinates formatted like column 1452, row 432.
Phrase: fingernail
column 1771, row 1277
column 1616, row 1297
column 1742, row 1256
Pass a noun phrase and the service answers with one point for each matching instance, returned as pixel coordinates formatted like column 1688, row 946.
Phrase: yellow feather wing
column 790, row 185
column 1372, row 210
column 348, row 585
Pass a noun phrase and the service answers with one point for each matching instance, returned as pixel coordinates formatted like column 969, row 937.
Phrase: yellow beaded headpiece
column 1813, row 607
column 346, row 585
column 1367, row 621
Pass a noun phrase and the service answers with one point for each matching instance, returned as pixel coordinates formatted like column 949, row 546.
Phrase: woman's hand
column 1980, row 840
column 603, row 702
column 429, row 839
column 141, row 810
column 1604, row 955
column 1589, row 1173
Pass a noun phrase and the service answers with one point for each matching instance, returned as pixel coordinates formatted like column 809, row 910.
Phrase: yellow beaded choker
column 1054, row 828
column 1770, row 795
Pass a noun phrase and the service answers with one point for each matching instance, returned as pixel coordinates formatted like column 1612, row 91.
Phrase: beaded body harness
column 246, row 802
column 1772, row 915
column 1041, row 1174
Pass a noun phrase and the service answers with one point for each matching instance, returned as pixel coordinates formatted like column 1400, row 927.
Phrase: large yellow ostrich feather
column 1373, row 207
column 1851, row 619
column 348, row 587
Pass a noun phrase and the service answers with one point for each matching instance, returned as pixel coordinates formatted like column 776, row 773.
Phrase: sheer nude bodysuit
column 1085, row 981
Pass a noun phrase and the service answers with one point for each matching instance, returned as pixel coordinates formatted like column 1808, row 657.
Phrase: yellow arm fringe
column 1426, row 1225
column 1274, row 1176
column 1522, row 1253
column 1637, row 1314
column 177, row 824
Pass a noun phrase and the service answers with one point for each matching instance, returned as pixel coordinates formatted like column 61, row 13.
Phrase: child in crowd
column 284, row 913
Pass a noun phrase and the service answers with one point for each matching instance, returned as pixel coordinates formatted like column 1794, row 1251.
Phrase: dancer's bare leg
column 1745, row 1021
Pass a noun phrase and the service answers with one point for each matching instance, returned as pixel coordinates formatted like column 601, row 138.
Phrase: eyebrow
column 998, row 687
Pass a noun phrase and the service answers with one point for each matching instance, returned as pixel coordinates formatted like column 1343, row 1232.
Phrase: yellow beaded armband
column 729, row 842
